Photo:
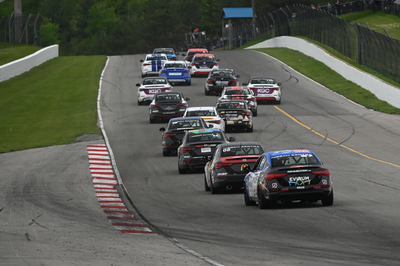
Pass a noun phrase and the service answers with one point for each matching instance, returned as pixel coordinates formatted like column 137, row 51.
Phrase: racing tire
column 165, row 153
column 139, row 103
column 143, row 76
column 247, row 200
column 255, row 113
column 213, row 189
column 181, row 171
column 206, row 187
column 250, row 129
column 152, row 120
column 328, row 200
column 189, row 83
column 206, row 92
column 278, row 102
column 263, row 203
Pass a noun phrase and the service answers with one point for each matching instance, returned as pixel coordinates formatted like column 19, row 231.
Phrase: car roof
column 206, row 130
column 198, row 55
column 169, row 92
column 288, row 152
column 235, row 144
column 201, row 108
column 158, row 77
column 236, row 88
column 184, row 118
column 197, row 49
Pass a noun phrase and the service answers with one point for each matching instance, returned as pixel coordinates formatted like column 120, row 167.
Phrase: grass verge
column 52, row 104
column 321, row 73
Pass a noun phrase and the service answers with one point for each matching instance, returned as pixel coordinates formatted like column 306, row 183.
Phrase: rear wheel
column 181, row 171
column 255, row 113
column 206, row 187
column 263, row 203
column 250, row 129
column 152, row 120
column 213, row 189
column 247, row 200
column 165, row 153
column 189, row 83
column 328, row 200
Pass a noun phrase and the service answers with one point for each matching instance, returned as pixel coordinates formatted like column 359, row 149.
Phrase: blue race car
column 176, row 72
column 286, row 176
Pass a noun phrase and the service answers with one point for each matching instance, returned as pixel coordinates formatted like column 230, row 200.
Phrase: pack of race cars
column 197, row 135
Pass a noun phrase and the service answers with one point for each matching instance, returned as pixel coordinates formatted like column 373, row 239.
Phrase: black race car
column 229, row 164
column 197, row 145
column 217, row 80
column 236, row 114
column 285, row 176
column 172, row 135
column 166, row 105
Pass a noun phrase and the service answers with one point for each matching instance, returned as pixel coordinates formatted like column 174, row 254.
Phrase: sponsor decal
column 218, row 174
column 264, row 91
column 300, row 187
column 324, row 182
column 243, row 166
column 299, row 180
column 298, row 171
column 154, row 91
column 274, row 185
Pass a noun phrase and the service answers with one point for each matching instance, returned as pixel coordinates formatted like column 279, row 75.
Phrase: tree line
column 115, row 27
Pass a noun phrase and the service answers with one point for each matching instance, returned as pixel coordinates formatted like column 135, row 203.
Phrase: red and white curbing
column 104, row 181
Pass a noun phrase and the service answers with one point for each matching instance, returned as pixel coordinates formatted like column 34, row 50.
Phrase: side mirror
column 187, row 99
column 210, row 126
column 245, row 83
column 231, row 139
column 246, row 168
column 206, row 158
column 238, row 76
column 255, row 93
column 137, row 84
column 218, row 60
column 141, row 60
column 279, row 84
column 189, row 67
column 162, row 129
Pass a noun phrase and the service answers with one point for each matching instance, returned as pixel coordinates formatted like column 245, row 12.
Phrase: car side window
column 260, row 163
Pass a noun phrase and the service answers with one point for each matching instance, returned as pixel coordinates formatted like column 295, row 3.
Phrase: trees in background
column 87, row 27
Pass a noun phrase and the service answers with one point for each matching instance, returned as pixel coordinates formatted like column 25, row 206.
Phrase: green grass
column 9, row 53
column 50, row 105
column 322, row 74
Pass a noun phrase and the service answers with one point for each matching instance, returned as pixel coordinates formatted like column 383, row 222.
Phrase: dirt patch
column 89, row 137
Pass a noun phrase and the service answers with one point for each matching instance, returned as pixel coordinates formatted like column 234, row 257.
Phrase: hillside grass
column 52, row 104
column 9, row 53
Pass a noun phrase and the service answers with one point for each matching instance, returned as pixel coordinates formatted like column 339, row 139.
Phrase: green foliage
column 49, row 34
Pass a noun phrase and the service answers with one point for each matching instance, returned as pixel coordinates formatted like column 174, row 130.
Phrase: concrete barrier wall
column 22, row 65
column 383, row 90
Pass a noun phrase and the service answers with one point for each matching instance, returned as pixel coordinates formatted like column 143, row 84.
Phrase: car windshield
column 200, row 113
column 294, row 159
column 241, row 150
column 263, row 81
column 231, row 105
column 154, row 81
column 168, row 97
column 221, row 73
column 156, row 58
column 174, row 65
column 241, row 92
column 185, row 124
column 204, row 58
column 162, row 51
column 211, row 136
column 196, row 52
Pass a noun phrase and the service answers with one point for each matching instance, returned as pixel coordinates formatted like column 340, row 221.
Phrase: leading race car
column 152, row 64
column 265, row 88
column 197, row 145
column 217, row 80
column 288, row 175
column 149, row 87
column 236, row 114
column 166, row 105
column 209, row 114
column 240, row 93
column 191, row 52
column 229, row 164
column 168, row 51
column 202, row 64
column 176, row 72
column 172, row 135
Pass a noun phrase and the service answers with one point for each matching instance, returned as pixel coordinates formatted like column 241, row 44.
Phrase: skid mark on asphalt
column 104, row 182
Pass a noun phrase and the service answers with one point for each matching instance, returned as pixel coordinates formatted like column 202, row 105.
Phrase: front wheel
column 206, row 187
column 328, row 200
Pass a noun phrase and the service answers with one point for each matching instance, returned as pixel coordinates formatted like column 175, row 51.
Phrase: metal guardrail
column 369, row 48
column 28, row 29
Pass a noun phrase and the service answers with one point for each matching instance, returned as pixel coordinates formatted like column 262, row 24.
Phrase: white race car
column 150, row 86
column 266, row 89
column 209, row 114
column 152, row 64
